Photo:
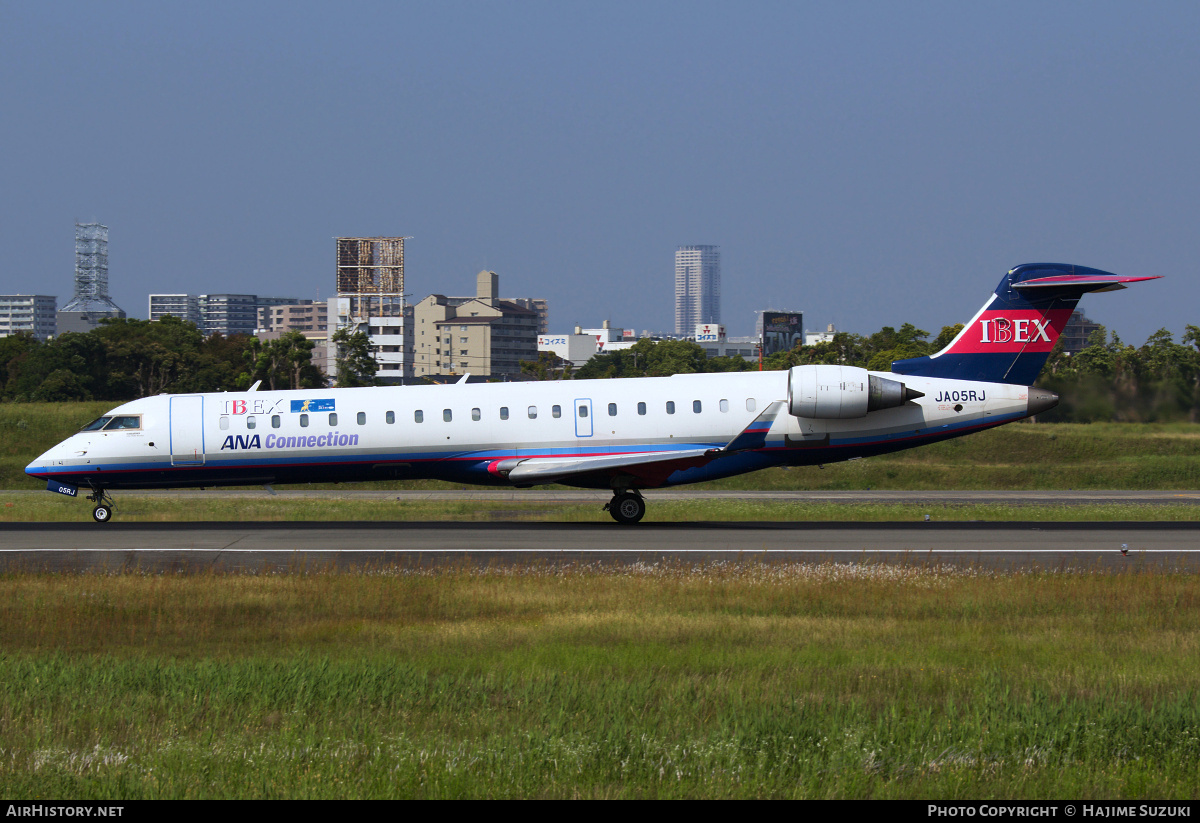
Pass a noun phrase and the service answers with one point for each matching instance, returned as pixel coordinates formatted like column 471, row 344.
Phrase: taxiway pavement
column 274, row 547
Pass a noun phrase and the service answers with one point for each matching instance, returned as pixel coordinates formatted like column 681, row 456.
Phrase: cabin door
column 583, row 417
column 187, row 430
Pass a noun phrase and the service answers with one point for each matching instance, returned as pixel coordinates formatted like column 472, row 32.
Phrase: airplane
column 623, row 435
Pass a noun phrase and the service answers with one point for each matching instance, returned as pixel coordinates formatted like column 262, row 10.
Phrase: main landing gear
column 627, row 506
column 104, row 505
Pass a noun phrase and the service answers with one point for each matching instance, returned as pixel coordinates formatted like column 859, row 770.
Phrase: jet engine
column 842, row 392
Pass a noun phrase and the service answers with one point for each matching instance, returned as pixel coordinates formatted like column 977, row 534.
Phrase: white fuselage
column 463, row 432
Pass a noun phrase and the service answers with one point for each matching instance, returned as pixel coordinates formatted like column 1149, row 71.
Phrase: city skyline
column 870, row 164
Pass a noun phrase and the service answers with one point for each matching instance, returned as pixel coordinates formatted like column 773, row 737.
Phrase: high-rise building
column 91, row 302
column 697, row 287
column 1076, row 332
column 32, row 313
column 307, row 317
column 228, row 314
column 225, row 314
column 184, row 306
column 482, row 335
column 538, row 305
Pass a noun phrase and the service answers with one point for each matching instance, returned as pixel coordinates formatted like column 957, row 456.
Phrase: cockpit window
column 125, row 421
column 96, row 424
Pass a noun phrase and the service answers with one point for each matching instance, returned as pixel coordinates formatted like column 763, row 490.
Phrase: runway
column 311, row 546
column 1071, row 497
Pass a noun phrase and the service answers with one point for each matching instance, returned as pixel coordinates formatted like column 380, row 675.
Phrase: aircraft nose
column 39, row 464
column 1040, row 400
column 42, row 463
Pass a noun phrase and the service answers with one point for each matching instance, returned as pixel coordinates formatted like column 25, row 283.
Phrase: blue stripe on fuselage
column 471, row 466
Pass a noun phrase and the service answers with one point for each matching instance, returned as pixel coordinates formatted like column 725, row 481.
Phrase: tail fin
column 1010, row 338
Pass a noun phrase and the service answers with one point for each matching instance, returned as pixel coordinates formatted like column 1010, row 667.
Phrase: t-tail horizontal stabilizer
column 1010, row 338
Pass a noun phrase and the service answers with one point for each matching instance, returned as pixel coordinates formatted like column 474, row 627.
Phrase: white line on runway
column 613, row 551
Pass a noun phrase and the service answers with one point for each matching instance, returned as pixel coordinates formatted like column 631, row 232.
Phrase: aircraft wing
column 548, row 469
column 651, row 466
column 754, row 436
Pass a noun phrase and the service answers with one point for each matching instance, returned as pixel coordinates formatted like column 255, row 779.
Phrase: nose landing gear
column 104, row 505
column 627, row 506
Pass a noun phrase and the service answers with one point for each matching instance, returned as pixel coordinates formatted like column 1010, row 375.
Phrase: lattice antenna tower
column 91, row 270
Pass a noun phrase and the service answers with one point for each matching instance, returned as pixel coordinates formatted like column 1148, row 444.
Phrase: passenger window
column 224, row 423
column 362, row 418
column 696, row 406
column 583, row 411
column 750, row 404
column 304, row 421
column 612, row 409
column 641, row 408
column 390, row 417
column 333, row 418
column 475, row 415
column 418, row 416
column 724, row 405
column 670, row 407
column 556, row 411
column 533, row 412
column 250, row 422
column 504, row 412
column 447, row 415
column 275, row 421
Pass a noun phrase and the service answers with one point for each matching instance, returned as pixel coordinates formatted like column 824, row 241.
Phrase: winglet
column 753, row 436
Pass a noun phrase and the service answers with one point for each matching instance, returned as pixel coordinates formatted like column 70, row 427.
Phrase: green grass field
column 132, row 508
column 717, row 681
column 726, row 680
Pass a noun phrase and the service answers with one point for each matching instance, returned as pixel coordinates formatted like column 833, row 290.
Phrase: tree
column 730, row 363
column 221, row 364
column 147, row 357
column 82, row 355
column 285, row 363
column 60, row 386
column 889, row 345
column 355, row 365
column 548, row 366
column 14, row 349
column 945, row 337
column 659, row 358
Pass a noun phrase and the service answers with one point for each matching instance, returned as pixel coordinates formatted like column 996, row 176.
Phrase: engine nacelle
column 842, row 392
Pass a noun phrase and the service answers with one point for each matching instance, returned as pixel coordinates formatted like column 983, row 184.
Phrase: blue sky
column 869, row 163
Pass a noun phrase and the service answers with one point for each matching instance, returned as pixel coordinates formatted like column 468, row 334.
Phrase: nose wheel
column 104, row 506
column 626, row 507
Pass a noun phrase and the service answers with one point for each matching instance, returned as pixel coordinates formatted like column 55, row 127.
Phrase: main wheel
column 102, row 513
column 627, row 507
